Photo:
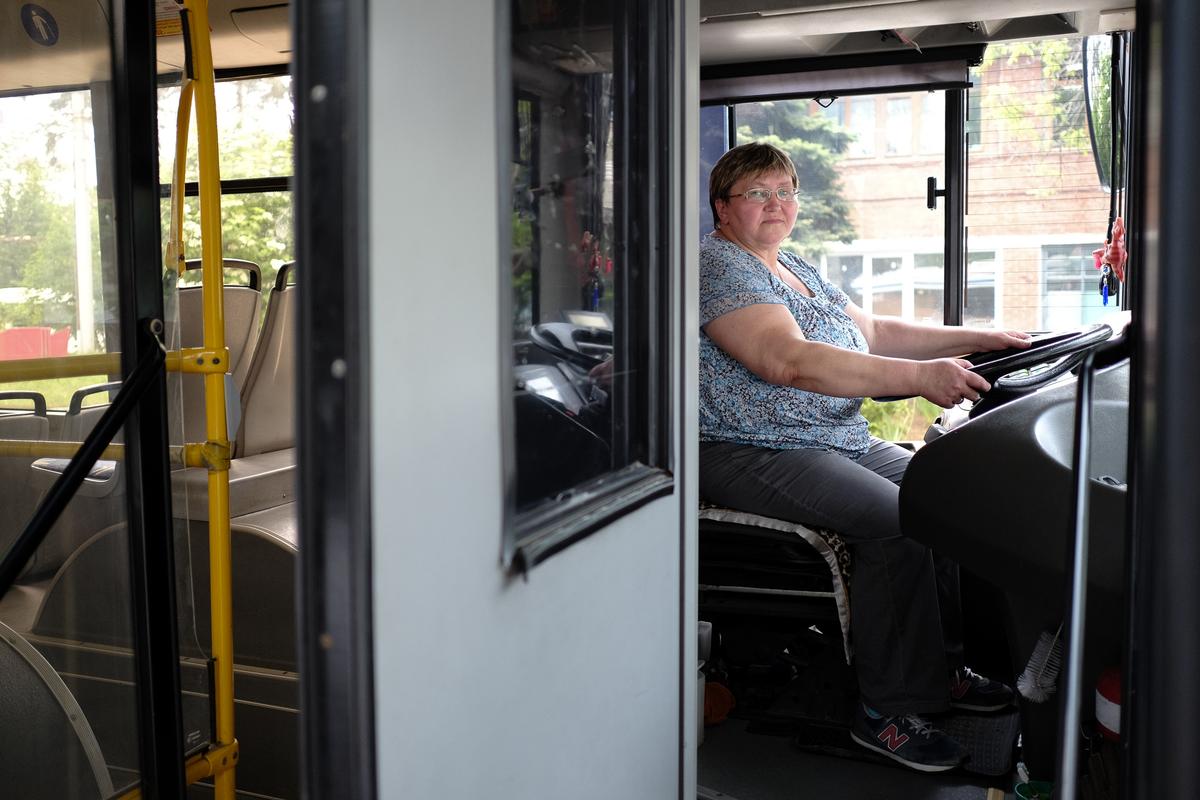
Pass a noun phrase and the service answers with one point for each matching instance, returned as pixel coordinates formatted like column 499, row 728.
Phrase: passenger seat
column 20, row 498
column 269, row 392
column 242, row 306
column 262, row 472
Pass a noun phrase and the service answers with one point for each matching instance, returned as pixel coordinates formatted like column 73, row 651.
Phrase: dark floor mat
column 989, row 738
column 815, row 708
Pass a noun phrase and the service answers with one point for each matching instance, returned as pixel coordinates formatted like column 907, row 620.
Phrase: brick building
column 1036, row 208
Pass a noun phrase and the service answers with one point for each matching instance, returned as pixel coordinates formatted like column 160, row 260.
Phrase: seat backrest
column 269, row 393
column 242, row 304
column 20, row 495
column 79, row 420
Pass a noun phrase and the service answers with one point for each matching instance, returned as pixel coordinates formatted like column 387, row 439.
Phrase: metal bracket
column 211, row 455
column 198, row 360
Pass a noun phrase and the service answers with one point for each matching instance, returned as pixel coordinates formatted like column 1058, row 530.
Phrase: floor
column 735, row 764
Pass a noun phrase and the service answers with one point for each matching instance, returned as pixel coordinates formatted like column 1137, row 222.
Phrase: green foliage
column 255, row 227
column 815, row 144
column 1062, row 99
column 900, row 421
column 37, row 223
column 522, row 271
column 37, row 249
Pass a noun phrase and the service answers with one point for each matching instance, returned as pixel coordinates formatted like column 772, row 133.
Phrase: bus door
column 530, row 426
column 91, row 704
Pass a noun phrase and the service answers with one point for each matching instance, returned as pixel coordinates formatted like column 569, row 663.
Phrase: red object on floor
column 718, row 702
column 1108, row 704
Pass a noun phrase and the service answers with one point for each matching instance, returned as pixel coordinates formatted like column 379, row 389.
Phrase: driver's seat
column 751, row 564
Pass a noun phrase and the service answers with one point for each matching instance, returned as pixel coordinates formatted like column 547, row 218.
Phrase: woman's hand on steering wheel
column 946, row 382
column 1002, row 340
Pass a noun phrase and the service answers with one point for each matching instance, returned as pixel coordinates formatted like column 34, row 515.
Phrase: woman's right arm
column 767, row 341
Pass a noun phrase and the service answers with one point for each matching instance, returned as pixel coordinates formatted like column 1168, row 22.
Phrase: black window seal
column 559, row 522
column 955, row 261
column 235, row 186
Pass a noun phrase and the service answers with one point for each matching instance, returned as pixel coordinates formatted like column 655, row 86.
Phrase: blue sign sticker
column 39, row 25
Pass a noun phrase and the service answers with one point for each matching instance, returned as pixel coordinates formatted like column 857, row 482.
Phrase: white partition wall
column 577, row 681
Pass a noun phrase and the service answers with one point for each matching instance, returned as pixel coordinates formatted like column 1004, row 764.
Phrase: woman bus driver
column 785, row 360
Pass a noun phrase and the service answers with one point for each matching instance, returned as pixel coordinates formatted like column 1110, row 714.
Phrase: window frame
column 642, row 54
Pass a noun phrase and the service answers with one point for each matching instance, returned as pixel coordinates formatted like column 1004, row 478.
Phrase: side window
column 714, row 141
column 1068, row 286
column 58, row 288
column 1037, row 207
column 862, row 162
column 584, row 263
column 254, row 116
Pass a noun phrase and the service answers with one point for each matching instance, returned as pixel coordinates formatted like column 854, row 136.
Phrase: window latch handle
column 932, row 193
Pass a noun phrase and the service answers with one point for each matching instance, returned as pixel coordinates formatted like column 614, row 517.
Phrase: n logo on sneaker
column 960, row 688
column 892, row 737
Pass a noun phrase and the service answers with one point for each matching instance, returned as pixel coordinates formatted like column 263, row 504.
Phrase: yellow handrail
column 40, row 369
column 214, row 761
column 190, row 359
column 195, row 454
column 37, row 448
column 174, row 257
column 220, row 584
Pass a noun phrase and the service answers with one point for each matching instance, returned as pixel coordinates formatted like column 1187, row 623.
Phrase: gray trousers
column 906, row 618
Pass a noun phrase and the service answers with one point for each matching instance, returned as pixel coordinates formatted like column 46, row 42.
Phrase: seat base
column 748, row 561
column 256, row 483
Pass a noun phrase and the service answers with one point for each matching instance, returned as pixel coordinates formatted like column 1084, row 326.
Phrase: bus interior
column 434, row 528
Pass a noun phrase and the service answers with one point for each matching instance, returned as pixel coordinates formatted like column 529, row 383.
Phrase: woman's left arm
column 898, row 338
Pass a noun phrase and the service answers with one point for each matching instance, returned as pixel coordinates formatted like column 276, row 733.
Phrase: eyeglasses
column 762, row 195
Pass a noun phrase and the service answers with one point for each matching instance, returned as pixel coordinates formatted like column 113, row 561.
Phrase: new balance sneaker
column 971, row 692
column 908, row 739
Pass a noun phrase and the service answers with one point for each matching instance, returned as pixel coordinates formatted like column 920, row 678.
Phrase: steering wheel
column 568, row 342
column 1064, row 350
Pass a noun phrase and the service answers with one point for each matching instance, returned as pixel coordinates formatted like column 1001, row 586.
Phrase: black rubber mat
column 990, row 738
column 809, row 694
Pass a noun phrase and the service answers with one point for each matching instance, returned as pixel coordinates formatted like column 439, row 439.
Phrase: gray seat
column 14, row 471
column 262, row 472
column 20, row 494
column 242, row 306
column 263, row 548
column 269, row 391
column 100, row 502
column 97, row 503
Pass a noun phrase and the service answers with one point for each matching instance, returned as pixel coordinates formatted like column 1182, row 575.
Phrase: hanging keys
column 1108, row 284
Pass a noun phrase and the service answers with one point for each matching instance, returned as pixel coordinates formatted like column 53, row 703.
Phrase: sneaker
column 972, row 692
column 908, row 739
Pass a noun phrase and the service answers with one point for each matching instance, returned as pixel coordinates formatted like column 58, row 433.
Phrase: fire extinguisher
column 1108, row 704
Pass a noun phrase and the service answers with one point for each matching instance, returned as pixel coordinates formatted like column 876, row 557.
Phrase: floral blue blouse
column 738, row 406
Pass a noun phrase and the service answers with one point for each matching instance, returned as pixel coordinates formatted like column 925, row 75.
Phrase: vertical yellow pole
column 214, row 384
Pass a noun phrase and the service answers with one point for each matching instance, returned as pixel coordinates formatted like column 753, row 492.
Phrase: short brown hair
column 746, row 160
